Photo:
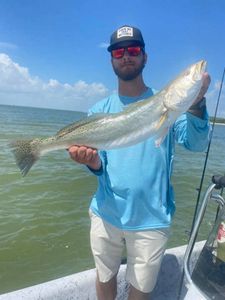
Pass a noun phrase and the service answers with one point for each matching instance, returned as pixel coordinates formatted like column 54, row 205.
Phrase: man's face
column 129, row 67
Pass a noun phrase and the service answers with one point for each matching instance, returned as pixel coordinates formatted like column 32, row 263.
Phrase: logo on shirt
column 124, row 31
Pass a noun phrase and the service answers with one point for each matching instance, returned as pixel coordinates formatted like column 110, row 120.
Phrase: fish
column 151, row 117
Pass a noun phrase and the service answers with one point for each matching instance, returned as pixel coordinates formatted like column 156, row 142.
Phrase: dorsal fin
column 135, row 105
column 71, row 127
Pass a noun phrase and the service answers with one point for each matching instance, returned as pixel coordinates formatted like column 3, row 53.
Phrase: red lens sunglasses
column 132, row 51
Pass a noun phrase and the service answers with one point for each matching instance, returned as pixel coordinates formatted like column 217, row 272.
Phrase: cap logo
column 124, row 31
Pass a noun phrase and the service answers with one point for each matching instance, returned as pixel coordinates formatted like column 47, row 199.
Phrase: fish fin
column 26, row 153
column 71, row 127
column 161, row 136
column 162, row 130
column 162, row 119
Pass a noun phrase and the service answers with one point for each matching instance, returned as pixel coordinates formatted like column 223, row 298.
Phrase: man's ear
column 145, row 58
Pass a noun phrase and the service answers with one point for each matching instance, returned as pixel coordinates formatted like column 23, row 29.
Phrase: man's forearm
column 198, row 109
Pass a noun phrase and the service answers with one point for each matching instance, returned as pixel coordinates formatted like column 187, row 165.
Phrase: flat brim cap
column 126, row 35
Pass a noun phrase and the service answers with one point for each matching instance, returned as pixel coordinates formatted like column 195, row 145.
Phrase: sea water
column 44, row 222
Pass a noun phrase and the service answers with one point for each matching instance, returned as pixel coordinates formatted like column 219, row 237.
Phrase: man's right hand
column 86, row 156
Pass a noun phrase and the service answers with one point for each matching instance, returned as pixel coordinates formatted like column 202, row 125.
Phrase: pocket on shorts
column 165, row 232
column 96, row 222
column 91, row 214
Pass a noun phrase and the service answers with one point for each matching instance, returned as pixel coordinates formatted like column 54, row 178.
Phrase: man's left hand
column 204, row 88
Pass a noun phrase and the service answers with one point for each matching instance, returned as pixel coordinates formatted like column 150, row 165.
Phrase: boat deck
column 81, row 286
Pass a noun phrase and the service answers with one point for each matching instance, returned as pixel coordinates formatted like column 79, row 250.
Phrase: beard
column 128, row 71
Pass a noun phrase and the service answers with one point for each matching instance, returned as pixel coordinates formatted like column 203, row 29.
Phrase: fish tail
column 26, row 153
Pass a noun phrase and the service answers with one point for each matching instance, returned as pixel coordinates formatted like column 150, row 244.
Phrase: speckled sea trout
column 150, row 117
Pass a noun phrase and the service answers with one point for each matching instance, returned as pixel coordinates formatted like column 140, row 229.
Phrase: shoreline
column 216, row 123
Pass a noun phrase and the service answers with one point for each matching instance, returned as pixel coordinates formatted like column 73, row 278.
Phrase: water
column 44, row 223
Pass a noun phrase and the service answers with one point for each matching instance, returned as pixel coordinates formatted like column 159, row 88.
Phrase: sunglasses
column 132, row 51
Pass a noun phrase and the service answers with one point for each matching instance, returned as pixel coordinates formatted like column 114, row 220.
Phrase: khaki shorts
column 145, row 250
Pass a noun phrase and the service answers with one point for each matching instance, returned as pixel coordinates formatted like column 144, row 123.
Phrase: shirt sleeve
column 192, row 132
column 99, row 172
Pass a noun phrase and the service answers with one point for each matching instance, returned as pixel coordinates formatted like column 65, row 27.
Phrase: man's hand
column 86, row 156
column 196, row 109
column 205, row 86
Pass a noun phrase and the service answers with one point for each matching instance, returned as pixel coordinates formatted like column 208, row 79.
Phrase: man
column 134, row 203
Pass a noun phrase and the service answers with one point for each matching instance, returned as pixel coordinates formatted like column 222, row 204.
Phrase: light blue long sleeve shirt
column 134, row 190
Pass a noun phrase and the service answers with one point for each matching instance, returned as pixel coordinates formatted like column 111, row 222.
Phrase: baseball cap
column 125, row 36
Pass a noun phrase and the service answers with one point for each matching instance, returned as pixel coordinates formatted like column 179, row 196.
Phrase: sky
column 53, row 52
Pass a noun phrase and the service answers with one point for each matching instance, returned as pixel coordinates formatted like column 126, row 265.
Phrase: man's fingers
column 206, row 82
column 204, row 88
column 82, row 154
column 73, row 149
column 90, row 154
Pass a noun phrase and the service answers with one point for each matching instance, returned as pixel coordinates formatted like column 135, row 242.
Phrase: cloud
column 18, row 87
column 212, row 97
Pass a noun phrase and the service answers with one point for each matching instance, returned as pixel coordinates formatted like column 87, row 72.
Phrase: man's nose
column 126, row 55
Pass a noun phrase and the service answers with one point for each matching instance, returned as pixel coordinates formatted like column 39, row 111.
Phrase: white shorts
column 145, row 250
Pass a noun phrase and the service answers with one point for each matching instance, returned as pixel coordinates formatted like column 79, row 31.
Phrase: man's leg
column 106, row 290
column 135, row 294
column 145, row 250
column 107, row 244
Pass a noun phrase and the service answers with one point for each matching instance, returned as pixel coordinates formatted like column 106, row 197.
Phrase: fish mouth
column 202, row 66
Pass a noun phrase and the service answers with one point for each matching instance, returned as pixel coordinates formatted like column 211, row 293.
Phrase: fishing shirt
column 134, row 189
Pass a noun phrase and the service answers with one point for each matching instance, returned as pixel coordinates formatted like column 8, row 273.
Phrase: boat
column 195, row 271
